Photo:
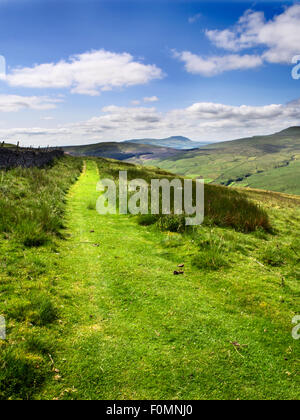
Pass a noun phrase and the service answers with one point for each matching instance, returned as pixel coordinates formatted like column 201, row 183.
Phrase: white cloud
column 135, row 102
column 193, row 19
column 278, row 39
column 151, row 99
column 243, row 35
column 279, row 36
column 88, row 73
column 211, row 66
column 200, row 121
column 13, row 103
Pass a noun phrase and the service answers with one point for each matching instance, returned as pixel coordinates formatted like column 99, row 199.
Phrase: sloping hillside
column 175, row 142
column 268, row 162
column 123, row 151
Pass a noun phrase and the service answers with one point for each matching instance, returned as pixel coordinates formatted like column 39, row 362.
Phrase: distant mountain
column 132, row 152
column 266, row 162
column 175, row 142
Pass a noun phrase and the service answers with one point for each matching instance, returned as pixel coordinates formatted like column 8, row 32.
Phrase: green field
column 94, row 310
column 267, row 162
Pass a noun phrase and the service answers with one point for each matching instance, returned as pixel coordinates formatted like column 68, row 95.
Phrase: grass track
column 131, row 329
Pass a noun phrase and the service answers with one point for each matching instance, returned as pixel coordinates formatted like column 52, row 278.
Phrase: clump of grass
column 38, row 310
column 209, row 260
column 45, row 311
column 39, row 345
column 274, row 256
column 146, row 219
column 212, row 253
column 31, row 233
column 172, row 223
column 260, row 233
column 19, row 377
column 172, row 241
column 91, row 206
column 230, row 208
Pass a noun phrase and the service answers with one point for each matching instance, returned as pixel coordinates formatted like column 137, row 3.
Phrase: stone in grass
column 177, row 273
column 181, row 265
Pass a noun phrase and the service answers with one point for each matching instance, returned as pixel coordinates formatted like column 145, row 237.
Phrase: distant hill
column 267, row 162
column 175, row 142
column 123, row 151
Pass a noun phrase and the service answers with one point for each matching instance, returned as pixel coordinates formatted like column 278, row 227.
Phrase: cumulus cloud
column 151, row 99
column 203, row 121
column 211, row 66
column 88, row 73
column 280, row 36
column 278, row 40
column 13, row 103
column 242, row 35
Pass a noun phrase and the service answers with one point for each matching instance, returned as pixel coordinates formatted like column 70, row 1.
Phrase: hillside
column 175, row 142
column 268, row 162
column 91, row 300
column 123, row 151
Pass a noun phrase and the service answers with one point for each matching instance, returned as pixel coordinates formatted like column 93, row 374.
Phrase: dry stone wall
column 10, row 158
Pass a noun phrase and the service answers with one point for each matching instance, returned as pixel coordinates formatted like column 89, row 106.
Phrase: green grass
column 100, row 315
column 32, row 201
column 266, row 162
column 223, row 206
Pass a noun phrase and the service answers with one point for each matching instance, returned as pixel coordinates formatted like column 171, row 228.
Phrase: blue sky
column 207, row 70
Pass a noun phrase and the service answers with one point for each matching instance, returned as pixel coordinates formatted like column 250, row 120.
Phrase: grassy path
column 131, row 329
